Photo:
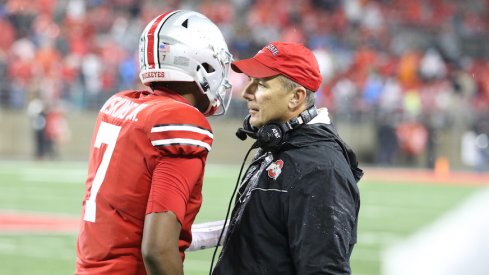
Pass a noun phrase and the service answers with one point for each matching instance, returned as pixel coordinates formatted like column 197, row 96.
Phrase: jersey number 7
column 106, row 134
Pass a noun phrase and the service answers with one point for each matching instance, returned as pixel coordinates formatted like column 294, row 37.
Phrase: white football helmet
column 187, row 46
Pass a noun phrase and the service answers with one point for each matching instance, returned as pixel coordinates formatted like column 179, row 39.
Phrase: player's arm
column 173, row 180
column 160, row 244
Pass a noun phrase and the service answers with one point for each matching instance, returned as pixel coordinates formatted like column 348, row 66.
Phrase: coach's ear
column 298, row 98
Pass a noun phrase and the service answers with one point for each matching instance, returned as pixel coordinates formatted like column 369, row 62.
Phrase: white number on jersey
column 106, row 134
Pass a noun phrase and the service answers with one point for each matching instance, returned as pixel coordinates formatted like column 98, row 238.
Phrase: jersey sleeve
column 173, row 182
column 182, row 131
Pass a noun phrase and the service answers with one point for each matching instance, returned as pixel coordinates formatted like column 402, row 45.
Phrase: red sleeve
column 173, row 181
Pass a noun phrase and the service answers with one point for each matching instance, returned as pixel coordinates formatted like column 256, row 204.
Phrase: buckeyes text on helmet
column 187, row 46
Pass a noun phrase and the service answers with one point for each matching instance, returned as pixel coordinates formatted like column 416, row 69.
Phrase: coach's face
column 268, row 101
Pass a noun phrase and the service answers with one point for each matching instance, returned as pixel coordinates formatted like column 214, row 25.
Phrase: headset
column 274, row 134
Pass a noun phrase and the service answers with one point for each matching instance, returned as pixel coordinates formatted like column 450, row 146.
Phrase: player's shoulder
column 178, row 128
column 171, row 111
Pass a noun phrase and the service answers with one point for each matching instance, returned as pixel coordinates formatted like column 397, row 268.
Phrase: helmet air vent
column 208, row 68
column 185, row 24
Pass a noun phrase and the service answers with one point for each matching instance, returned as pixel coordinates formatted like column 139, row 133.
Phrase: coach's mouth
column 252, row 111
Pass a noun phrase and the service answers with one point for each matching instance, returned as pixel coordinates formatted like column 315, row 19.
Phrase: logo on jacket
column 275, row 168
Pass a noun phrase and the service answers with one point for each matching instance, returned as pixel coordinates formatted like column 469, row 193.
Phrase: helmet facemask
column 220, row 97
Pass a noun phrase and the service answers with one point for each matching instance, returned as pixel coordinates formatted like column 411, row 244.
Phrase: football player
column 149, row 149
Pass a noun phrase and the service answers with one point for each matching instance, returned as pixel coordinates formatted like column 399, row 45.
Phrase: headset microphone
column 242, row 133
column 247, row 130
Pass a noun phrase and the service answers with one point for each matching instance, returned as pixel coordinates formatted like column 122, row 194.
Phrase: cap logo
column 273, row 50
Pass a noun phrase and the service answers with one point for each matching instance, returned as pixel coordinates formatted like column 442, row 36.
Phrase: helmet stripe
column 152, row 43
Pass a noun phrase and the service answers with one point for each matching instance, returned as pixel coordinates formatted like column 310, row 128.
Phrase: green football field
column 390, row 211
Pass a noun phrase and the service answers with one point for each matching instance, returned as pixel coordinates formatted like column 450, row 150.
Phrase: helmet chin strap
column 211, row 109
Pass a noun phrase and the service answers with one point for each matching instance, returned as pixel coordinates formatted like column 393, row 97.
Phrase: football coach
column 296, row 210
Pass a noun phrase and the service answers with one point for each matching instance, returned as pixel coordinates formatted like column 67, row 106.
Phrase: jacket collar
column 320, row 129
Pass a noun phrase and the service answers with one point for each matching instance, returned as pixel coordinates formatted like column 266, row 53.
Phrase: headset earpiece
column 271, row 134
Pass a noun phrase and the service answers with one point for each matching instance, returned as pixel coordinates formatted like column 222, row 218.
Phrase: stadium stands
column 388, row 62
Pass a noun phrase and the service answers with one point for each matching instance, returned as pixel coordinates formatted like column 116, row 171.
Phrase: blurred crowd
column 412, row 67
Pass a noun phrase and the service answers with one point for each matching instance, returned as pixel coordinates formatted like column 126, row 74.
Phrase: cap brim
column 254, row 68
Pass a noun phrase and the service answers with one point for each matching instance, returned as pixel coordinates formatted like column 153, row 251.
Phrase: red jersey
column 148, row 155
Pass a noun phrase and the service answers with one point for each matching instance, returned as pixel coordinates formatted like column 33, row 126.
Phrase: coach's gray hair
column 290, row 85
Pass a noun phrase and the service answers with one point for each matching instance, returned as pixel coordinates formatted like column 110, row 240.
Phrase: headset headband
column 306, row 116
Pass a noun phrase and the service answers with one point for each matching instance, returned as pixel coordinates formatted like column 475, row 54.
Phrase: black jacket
column 297, row 208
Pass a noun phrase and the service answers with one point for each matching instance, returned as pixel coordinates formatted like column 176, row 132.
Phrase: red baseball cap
column 292, row 60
